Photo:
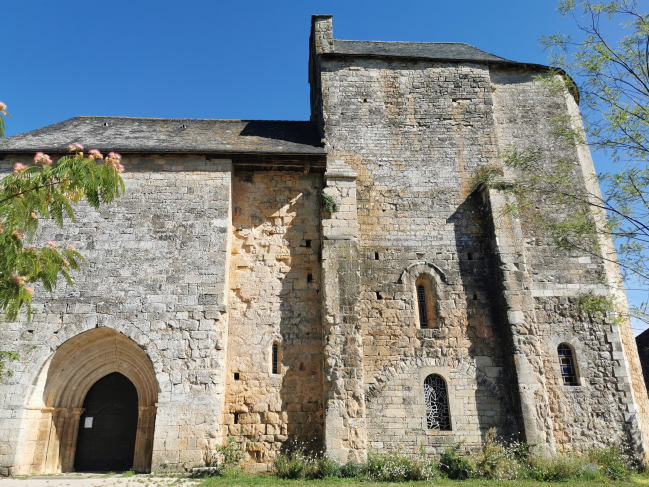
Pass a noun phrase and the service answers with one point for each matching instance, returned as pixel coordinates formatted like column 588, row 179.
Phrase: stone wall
column 414, row 132
column 603, row 407
column 274, row 298
column 154, row 272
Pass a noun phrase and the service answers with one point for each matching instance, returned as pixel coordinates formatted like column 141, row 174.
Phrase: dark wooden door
column 107, row 428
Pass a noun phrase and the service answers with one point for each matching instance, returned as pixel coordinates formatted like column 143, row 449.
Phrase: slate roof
column 452, row 51
column 177, row 135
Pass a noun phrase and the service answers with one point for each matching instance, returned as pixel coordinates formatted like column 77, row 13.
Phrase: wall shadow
column 484, row 326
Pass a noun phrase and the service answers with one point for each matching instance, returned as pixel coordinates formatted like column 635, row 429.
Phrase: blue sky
column 223, row 59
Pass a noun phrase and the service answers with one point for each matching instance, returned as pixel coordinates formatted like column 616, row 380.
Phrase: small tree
column 46, row 191
column 613, row 90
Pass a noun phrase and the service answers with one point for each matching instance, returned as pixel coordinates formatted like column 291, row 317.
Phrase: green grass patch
column 271, row 480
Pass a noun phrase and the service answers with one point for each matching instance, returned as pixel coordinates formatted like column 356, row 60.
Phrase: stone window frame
column 574, row 364
column 451, row 384
column 428, row 283
column 580, row 355
column 434, row 280
column 275, row 342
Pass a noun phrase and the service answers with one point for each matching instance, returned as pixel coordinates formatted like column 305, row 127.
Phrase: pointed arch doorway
column 108, row 426
column 98, row 357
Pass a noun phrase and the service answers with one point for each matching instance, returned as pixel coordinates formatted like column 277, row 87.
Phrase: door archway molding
column 77, row 364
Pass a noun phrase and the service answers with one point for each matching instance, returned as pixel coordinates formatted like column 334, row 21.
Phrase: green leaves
column 45, row 192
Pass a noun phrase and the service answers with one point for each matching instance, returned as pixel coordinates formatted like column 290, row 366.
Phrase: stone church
column 221, row 298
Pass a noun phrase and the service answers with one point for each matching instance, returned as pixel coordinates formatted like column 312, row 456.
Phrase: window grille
column 423, row 315
column 567, row 364
column 275, row 366
column 438, row 415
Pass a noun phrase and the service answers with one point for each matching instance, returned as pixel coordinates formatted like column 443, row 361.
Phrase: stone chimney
column 322, row 33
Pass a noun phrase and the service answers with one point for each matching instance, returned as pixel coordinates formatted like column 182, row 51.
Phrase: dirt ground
column 97, row 480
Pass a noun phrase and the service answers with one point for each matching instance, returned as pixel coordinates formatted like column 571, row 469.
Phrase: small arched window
column 275, row 358
column 423, row 312
column 438, row 415
column 568, row 365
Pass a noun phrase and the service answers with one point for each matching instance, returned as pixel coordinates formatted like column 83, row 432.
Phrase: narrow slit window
column 275, row 364
column 421, row 299
column 438, row 415
column 567, row 364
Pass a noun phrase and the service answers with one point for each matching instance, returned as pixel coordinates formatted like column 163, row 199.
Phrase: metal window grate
column 423, row 315
column 275, row 358
column 438, row 415
column 567, row 364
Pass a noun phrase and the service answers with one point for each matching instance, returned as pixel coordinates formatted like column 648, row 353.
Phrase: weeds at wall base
column 494, row 460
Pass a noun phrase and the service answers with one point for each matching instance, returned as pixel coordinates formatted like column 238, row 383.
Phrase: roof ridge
column 185, row 118
column 408, row 42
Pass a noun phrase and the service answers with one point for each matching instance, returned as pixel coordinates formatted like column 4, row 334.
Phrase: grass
column 269, row 480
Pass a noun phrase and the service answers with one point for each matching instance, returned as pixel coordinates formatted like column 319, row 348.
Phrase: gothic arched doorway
column 107, row 427
column 80, row 364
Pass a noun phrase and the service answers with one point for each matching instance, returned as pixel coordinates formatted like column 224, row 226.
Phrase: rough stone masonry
column 416, row 314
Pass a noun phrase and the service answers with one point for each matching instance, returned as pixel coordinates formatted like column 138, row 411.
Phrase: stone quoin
column 417, row 313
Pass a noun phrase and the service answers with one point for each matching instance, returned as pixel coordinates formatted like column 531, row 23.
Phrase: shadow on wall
column 487, row 345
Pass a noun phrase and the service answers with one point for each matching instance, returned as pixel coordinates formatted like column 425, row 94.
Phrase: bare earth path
column 97, row 480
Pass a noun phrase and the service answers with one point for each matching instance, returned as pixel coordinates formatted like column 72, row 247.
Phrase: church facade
column 224, row 296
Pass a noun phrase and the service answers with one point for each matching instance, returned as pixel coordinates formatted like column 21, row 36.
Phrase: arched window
column 438, row 415
column 421, row 300
column 568, row 365
column 275, row 358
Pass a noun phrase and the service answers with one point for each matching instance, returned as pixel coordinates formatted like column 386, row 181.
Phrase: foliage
column 495, row 459
column 297, row 462
column 4, row 358
column 595, row 306
column 225, row 458
column 455, row 466
column 3, row 113
column 613, row 90
column 328, row 204
column 614, row 462
column 398, row 467
column 47, row 191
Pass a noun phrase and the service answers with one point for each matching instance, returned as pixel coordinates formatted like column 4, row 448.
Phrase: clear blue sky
column 219, row 59
column 222, row 59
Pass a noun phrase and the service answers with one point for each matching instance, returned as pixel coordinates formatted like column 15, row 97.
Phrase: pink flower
column 30, row 290
column 41, row 158
column 19, row 167
column 19, row 280
column 17, row 234
column 3, row 108
column 70, row 246
column 94, row 155
column 34, row 216
column 114, row 159
column 51, row 244
column 75, row 147
column 66, row 262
